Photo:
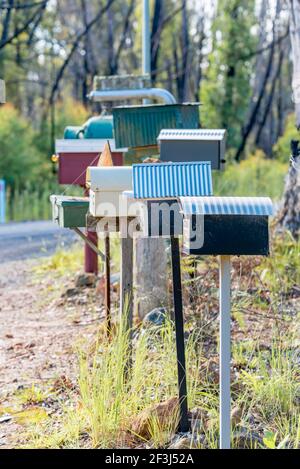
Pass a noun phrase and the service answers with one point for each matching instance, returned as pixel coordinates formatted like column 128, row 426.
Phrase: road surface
column 27, row 240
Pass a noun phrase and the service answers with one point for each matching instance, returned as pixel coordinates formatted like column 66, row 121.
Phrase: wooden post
column 177, row 295
column 225, row 427
column 126, row 290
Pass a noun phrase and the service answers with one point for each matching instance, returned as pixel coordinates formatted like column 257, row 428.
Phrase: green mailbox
column 69, row 212
column 139, row 126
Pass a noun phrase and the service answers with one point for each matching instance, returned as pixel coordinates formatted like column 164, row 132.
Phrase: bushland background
column 231, row 55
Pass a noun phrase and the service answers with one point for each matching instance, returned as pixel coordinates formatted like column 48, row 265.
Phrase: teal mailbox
column 139, row 126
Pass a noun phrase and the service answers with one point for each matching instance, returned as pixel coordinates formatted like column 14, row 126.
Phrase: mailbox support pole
column 107, row 284
column 126, row 293
column 225, row 426
column 177, row 295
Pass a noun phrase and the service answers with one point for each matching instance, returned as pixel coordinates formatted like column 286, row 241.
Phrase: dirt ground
column 39, row 327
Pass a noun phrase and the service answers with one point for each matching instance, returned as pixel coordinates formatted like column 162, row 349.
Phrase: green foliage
column 19, row 162
column 67, row 112
column 225, row 92
column 281, row 149
column 256, row 176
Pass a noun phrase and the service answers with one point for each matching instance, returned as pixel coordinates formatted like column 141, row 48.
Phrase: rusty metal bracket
column 89, row 243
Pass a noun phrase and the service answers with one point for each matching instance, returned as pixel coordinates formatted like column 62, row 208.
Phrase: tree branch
column 74, row 47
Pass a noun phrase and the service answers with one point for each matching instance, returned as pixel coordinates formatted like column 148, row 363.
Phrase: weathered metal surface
column 69, row 212
column 226, row 206
column 170, row 180
column 138, row 126
column 2, row 92
column 193, row 145
column 119, row 82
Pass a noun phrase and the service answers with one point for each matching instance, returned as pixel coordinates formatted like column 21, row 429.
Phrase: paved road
column 25, row 240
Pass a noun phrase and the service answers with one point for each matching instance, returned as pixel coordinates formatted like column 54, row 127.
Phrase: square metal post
column 225, row 425
column 177, row 295
column 107, row 284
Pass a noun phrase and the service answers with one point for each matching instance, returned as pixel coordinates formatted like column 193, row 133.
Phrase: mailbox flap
column 169, row 180
column 261, row 206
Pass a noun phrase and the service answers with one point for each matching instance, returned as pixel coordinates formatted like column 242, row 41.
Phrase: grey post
column 225, row 426
column 146, row 38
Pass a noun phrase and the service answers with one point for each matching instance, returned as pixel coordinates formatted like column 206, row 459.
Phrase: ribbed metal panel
column 226, row 206
column 192, row 134
column 164, row 180
column 138, row 126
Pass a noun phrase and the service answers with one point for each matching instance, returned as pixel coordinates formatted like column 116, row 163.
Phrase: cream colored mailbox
column 106, row 187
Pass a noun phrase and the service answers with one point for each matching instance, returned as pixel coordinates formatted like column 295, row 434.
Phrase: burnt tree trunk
column 290, row 213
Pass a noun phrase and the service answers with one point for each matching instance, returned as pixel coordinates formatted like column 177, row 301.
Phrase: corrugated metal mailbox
column 139, row 126
column 226, row 225
column 75, row 156
column 193, row 145
column 169, row 180
column 157, row 187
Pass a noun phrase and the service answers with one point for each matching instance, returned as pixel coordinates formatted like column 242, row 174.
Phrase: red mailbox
column 75, row 156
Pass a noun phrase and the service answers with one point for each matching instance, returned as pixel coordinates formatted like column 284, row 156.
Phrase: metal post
column 146, row 46
column 225, row 427
column 107, row 284
column 177, row 295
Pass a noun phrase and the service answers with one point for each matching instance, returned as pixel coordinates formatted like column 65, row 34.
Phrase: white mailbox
column 106, row 187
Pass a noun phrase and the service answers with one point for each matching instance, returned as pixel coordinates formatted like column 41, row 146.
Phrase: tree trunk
column 290, row 214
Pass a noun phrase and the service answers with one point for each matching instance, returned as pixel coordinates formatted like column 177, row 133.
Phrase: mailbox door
column 72, row 166
column 179, row 150
column 229, row 235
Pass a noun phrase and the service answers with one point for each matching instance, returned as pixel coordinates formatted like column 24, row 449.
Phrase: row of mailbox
column 175, row 145
column 171, row 199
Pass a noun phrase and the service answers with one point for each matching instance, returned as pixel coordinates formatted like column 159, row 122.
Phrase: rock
column 165, row 413
column 199, row 419
column 70, row 292
column 188, row 441
column 247, row 439
column 236, row 415
column 85, row 280
column 156, row 317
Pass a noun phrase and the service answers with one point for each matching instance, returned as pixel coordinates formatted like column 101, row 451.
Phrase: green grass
column 265, row 383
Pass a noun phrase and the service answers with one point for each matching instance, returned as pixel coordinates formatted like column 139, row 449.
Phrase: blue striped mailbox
column 169, row 180
column 158, row 185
